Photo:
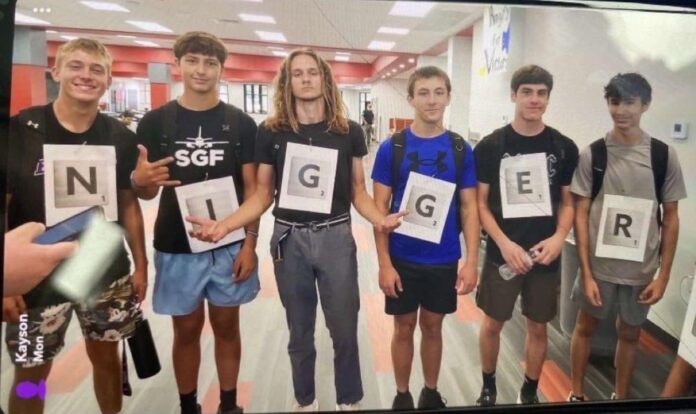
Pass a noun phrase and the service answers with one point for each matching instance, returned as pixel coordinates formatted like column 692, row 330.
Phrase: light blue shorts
column 183, row 279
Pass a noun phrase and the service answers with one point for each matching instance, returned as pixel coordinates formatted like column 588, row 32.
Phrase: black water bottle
column 143, row 351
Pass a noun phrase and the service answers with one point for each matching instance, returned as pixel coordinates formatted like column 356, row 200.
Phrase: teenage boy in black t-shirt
column 524, row 171
column 197, row 136
column 83, row 71
column 310, row 159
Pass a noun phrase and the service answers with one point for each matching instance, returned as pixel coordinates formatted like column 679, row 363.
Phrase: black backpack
column 230, row 132
column 659, row 154
column 398, row 148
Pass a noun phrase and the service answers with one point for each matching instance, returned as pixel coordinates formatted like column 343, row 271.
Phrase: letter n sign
column 80, row 183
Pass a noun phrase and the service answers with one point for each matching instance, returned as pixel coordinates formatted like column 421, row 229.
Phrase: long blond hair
column 284, row 116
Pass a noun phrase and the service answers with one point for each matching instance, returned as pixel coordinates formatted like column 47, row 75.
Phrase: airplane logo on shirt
column 199, row 151
column 199, row 141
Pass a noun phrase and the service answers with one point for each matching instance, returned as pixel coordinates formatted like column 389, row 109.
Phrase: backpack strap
column 458, row 145
column 599, row 165
column 398, row 148
column 659, row 156
column 168, row 136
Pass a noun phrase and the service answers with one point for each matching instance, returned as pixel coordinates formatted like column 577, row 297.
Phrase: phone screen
column 67, row 229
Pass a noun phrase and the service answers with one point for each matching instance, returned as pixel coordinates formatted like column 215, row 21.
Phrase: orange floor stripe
column 210, row 402
column 70, row 368
column 362, row 235
column 554, row 384
column 467, row 311
column 269, row 289
column 650, row 345
column 379, row 328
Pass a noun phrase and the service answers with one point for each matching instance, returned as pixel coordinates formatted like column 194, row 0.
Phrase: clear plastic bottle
column 506, row 271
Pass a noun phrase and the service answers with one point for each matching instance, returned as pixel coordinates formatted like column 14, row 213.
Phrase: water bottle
column 506, row 271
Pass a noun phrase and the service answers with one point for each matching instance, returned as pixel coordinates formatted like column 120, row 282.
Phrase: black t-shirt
column 202, row 152
column 26, row 179
column 350, row 145
column 368, row 116
column 562, row 158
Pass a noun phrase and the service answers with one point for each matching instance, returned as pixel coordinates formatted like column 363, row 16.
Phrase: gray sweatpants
column 326, row 259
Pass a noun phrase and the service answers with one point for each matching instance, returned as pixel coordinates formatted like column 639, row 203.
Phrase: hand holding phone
column 28, row 263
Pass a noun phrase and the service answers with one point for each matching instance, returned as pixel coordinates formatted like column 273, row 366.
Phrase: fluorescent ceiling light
column 393, row 30
column 411, row 60
column 22, row 18
column 381, row 45
column 51, row 31
column 105, row 6
column 343, row 53
column 68, row 37
column 281, row 53
column 401, row 65
column 149, row 26
column 146, row 43
column 126, row 36
column 271, row 36
column 342, row 58
column 257, row 18
column 411, row 8
column 393, row 70
column 275, row 48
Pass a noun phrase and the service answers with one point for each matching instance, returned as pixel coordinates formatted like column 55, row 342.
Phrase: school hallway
column 265, row 381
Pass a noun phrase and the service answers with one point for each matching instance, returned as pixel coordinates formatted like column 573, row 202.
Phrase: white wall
column 351, row 99
column 583, row 50
column 390, row 98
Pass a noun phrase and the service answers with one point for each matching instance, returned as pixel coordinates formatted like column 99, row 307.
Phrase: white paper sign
column 623, row 227
column 496, row 38
column 687, row 344
column 524, row 186
column 213, row 199
column 427, row 199
column 77, row 177
column 308, row 178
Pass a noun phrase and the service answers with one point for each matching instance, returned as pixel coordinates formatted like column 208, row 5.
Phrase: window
column 255, row 98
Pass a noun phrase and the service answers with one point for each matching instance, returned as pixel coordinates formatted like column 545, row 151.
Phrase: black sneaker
column 574, row 398
column 403, row 401
column 198, row 409
column 521, row 399
column 430, row 399
column 487, row 398
column 236, row 410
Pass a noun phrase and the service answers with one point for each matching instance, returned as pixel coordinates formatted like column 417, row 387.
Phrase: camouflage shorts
column 40, row 333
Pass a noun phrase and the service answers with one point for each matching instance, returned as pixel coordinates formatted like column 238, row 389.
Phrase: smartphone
column 68, row 229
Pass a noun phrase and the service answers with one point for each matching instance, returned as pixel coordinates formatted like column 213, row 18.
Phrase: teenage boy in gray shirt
column 621, row 239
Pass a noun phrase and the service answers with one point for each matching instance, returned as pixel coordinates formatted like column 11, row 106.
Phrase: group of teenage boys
column 525, row 184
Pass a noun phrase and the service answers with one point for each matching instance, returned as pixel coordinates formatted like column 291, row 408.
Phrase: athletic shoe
column 235, row 410
column 520, row 400
column 309, row 408
column 348, row 407
column 487, row 398
column 430, row 399
column 403, row 401
column 574, row 398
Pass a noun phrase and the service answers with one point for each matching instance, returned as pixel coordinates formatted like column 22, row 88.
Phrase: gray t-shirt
column 628, row 173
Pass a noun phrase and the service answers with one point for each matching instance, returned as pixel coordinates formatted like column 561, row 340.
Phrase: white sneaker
column 348, row 407
column 309, row 408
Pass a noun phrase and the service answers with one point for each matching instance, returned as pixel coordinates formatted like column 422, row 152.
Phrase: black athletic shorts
column 427, row 285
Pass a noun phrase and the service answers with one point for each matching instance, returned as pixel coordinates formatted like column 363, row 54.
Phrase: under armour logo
column 33, row 124
column 225, row 127
column 437, row 162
